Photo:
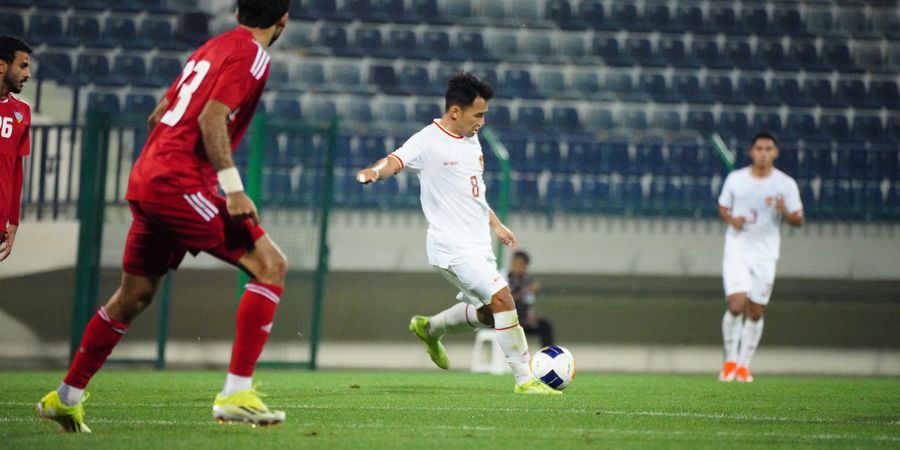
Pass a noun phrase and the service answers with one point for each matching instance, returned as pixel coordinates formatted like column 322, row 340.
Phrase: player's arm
column 385, row 168
column 213, row 122
column 736, row 222
column 504, row 234
column 795, row 219
column 15, row 203
column 157, row 114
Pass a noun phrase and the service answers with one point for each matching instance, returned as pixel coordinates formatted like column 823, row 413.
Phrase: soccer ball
column 555, row 366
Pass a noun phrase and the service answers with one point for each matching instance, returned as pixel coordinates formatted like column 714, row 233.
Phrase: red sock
column 254, row 322
column 100, row 337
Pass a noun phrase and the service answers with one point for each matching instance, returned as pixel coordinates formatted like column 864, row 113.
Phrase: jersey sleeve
column 15, row 200
column 25, row 141
column 239, row 77
column 412, row 154
column 726, row 197
column 792, row 201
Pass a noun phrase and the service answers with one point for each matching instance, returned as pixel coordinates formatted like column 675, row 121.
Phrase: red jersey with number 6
column 231, row 68
column 15, row 143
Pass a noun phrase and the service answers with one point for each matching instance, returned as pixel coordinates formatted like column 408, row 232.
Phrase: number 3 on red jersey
column 186, row 90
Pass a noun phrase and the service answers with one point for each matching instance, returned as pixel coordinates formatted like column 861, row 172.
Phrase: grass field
column 166, row 410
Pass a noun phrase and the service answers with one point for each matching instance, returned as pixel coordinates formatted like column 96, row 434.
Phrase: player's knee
column 274, row 269
column 485, row 316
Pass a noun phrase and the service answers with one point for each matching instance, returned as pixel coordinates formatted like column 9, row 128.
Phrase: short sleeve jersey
column 15, row 142
column 231, row 68
column 754, row 199
column 450, row 170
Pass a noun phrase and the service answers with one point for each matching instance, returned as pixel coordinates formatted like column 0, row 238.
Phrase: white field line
column 668, row 433
column 738, row 417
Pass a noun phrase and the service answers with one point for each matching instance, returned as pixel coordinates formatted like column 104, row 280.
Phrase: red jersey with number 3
column 15, row 143
column 231, row 68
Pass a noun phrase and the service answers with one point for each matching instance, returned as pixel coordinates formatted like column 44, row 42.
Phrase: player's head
column 466, row 102
column 15, row 64
column 763, row 149
column 520, row 261
column 264, row 14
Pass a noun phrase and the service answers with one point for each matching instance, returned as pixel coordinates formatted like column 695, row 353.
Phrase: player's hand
column 366, row 176
column 505, row 235
column 779, row 204
column 240, row 207
column 738, row 222
column 6, row 242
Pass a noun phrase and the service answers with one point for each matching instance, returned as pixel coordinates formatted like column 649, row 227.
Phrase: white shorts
column 753, row 278
column 476, row 277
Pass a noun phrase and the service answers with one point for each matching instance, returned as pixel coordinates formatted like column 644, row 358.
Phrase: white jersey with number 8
column 754, row 199
column 450, row 170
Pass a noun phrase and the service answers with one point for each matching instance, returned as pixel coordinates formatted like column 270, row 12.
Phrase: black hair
column 763, row 135
column 464, row 88
column 261, row 13
column 9, row 46
column 523, row 255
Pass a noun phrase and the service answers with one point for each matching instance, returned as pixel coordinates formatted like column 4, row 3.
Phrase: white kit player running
column 753, row 202
column 447, row 158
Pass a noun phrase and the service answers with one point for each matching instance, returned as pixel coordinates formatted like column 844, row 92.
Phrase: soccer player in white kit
column 753, row 202
column 447, row 158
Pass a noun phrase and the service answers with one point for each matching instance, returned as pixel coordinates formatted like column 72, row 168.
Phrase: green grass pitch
column 373, row 410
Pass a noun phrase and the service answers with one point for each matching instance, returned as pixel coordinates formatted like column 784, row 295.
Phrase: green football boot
column 419, row 326
column 70, row 418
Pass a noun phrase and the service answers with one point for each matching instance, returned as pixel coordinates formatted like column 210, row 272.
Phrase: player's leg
column 736, row 280
column 751, row 333
column 459, row 318
column 511, row 338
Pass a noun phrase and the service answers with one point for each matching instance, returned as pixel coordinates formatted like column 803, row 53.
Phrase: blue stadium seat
column 335, row 38
column 561, row 194
column 884, row 93
column 837, row 54
column 346, row 77
column 667, row 120
column 591, row 12
column 773, row 55
column 852, row 160
column 756, row 20
column 403, row 42
column 158, row 33
column 818, row 159
column 551, row 83
column 92, row 68
column 673, row 52
column 619, row 85
column 517, row 83
column 130, row 70
column 368, row 42
column 328, row 10
column 12, row 24
column 427, row 11
column 805, row 54
column 834, row 126
column 800, row 125
column 634, row 119
column 121, row 31
column 560, row 11
column 787, row 91
column 627, row 17
column 701, row 121
column 286, row 108
column 139, row 105
column 393, row 112
column 726, row 21
column 788, row 21
column 585, row 84
column 886, row 161
column 86, row 31
column 608, row 49
column 648, row 157
column 722, row 89
column 319, row 110
column 599, row 119
column 541, row 47
column 660, row 19
column 583, row 156
column 819, row 90
column 471, row 44
column 614, row 153
column 687, row 88
column 740, row 54
column 655, row 86
column 547, row 154
column 594, row 196
column 425, row 112
column 386, row 79
column 565, row 119
column 770, row 122
column 104, row 101
column 415, row 79
column 530, row 118
column 868, row 128
column 707, row 52
column 309, row 75
column 685, row 157
column 691, row 17
column 789, row 157
column 853, row 92
column 436, row 45
column 641, row 51
column 47, row 29
column 499, row 117
column 754, row 90
column 734, row 125
column 55, row 66
column 192, row 28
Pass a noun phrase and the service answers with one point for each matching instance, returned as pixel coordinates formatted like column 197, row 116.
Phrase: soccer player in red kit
column 176, row 208
column 15, row 142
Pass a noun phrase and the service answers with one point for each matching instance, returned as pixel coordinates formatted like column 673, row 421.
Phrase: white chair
column 487, row 356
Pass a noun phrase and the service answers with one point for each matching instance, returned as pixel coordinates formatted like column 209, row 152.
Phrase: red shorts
column 161, row 233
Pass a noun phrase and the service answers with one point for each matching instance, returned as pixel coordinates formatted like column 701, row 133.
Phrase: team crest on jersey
column 19, row 116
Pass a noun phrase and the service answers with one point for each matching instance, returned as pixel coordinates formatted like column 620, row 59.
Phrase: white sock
column 731, row 334
column 236, row 383
column 458, row 318
column 69, row 395
column 511, row 338
column 750, row 336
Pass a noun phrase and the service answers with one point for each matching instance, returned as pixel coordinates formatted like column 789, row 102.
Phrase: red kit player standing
column 176, row 208
column 15, row 124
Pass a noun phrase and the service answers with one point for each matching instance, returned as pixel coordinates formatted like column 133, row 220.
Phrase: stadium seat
column 702, row 122
column 868, row 128
column 192, row 28
column 734, row 125
column 818, row 159
column 573, row 50
column 319, row 110
column 309, row 75
column 517, row 83
column 642, row 51
column 594, row 196
column 386, row 79
column 819, row 91
column 673, row 52
column 583, row 156
column 121, row 31
column 834, row 126
column 47, row 29
column 772, row 54
column 853, row 92
column 886, row 161
column 428, row 11
column 12, row 24
column 139, row 105
column 852, row 160
column 668, row 120
column 346, row 77
column 471, row 44
column 130, row 70
column 55, row 66
column 788, row 21
column 415, row 79
column 608, row 49
column 625, row 16
column 560, row 11
column 691, row 17
column 158, row 33
column 335, row 38
column 560, row 194
column 86, row 31
column 754, row 90
column 654, row 85
column 565, row 119
column 504, row 45
column 789, row 157
column 741, row 56
column 499, row 117
column 585, row 84
column 551, row 83
column 707, row 52
column 591, row 12
column 436, row 45
column 787, row 91
column 770, row 122
column 368, row 42
column 660, row 19
column 530, row 118
column 756, row 20
column 634, row 119
column 286, row 108
column 547, row 154
column 526, row 195
column 726, row 21
column 885, row 94
column 648, row 156
column 403, row 42
column 687, row 88
column 721, row 88
column 800, row 125
column 837, row 55
column 805, row 54
column 426, row 112
column 92, row 68
column 108, row 102
column 393, row 112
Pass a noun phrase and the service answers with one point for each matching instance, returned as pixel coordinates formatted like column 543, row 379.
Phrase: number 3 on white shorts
column 186, row 90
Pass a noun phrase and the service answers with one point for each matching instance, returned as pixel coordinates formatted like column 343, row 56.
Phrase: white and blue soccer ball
column 554, row 365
